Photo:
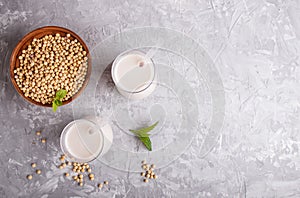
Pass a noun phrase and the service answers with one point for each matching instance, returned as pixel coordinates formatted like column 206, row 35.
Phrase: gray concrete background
column 255, row 47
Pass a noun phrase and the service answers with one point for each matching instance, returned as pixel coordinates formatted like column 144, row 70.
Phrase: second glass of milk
column 134, row 74
column 84, row 140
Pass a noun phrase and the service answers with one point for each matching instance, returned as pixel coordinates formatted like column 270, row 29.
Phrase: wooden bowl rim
column 30, row 35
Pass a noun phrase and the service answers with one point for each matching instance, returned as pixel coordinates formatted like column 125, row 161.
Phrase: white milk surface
column 83, row 140
column 130, row 76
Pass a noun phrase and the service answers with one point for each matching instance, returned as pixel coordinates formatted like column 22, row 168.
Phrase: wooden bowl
column 39, row 33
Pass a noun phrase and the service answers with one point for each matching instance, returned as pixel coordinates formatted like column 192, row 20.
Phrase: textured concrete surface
column 241, row 59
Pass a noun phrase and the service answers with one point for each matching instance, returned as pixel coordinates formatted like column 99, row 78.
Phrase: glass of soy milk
column 84, row 140
column 134, row 75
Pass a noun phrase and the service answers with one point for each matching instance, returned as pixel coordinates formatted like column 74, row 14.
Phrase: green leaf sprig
column 143, row 135
column 57, row 101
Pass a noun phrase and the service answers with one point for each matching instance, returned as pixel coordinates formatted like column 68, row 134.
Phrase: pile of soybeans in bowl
column 49, row 64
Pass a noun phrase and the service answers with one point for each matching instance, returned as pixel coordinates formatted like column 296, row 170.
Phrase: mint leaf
column 143, row 132
column 57, row 101
column 143, row 135
column 147, row 142
column 136, row 132
column 60, row 94
column 54, row 106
